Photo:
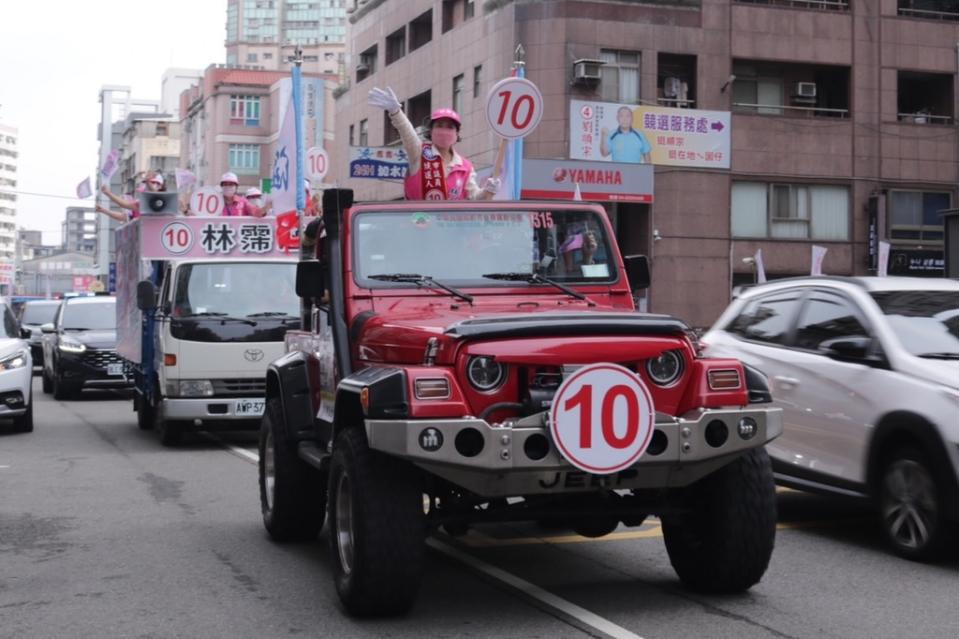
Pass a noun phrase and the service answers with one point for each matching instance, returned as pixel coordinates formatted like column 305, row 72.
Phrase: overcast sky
column 54, row 57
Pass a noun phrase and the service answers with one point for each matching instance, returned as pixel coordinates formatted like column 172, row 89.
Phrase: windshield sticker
column 421, row 220
column 595, row 270
column 479, row 220
column 541, row 219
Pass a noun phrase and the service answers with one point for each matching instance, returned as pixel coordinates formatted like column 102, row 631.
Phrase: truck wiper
column 420, row 280
column 271, row 314
column 223, row 317
column 536, row 278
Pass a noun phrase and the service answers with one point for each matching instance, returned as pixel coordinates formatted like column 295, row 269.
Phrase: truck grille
column 255, row 387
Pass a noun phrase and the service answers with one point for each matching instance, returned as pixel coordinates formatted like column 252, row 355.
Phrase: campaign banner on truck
column 378, row 163
column 597, row 181
column 129, row 271
column 163, row 238
column 640, row 134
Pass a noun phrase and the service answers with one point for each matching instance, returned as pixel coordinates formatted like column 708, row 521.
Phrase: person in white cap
column 436, row 171
column 152, row 181
column 234, row 204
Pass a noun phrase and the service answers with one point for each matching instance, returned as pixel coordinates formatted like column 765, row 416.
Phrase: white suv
column 16, row 373
column 866, row 371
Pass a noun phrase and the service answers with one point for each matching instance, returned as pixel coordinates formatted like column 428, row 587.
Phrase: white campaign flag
column 84, row 190
column 882, row 267
column 285, row 180
column 577, row 195
column 505, row 191
column 110, row 165
column 184, row 179
column 818, row 255
column 760, row 268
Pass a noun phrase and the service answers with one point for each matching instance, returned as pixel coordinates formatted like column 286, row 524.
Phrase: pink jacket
column 240, row 207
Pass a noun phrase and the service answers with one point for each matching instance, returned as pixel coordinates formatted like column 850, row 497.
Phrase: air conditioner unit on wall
column 586, row 70
column 805, row 90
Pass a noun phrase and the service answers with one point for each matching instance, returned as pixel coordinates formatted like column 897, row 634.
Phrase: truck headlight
column 665, row 369
column 485, row 373
column 17, row 360
column 68, row 345
column 196, row 388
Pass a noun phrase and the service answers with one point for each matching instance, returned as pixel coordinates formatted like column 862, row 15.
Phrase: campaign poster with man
column 641, row 134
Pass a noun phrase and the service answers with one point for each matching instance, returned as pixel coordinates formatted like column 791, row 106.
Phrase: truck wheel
column 377, row 528
column 170, row 431
column 146, row 413
column 292, row 493
column 911, row 506
column 24, row 423
column 47, row 385
column 723, row 540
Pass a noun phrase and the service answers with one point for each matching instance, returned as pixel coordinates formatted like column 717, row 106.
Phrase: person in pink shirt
column 233, row 203
column 152, row 181
column 436, row 171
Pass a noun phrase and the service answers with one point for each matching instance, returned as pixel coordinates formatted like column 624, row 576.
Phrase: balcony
column 826, row 5
column 794, row 90
column 930, row 9
column 925, row 98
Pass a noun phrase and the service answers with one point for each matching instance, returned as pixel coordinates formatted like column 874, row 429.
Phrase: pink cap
column 449, row 114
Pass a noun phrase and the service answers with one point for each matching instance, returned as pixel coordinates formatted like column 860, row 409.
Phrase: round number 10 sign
column 602, row 418
column 514, row 107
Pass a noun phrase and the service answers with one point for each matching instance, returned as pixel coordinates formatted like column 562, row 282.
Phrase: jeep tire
column 722, row 541
column 377, row 528
column 911, row 506
column 292, row 493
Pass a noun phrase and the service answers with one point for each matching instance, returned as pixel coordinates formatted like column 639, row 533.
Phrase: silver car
column 866, row 371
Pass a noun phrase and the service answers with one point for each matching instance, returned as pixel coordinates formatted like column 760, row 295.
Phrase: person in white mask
column 233, row 203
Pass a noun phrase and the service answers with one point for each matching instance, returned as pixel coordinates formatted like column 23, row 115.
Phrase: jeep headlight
column 485, row 373
column 10, row 362
column 196, row 388
column 665, row 369
column 68, row 345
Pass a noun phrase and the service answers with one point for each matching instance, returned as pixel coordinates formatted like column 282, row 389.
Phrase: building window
column 930, row 9
column 163, row 129
column 469, row 10
column 458, row 83
column 251, row 57
column 421, row 30
column 830, row 5
column 925, row 98
column 364, row 133
column 419, row 109
column 245, row 110
column 267, row 56
column 797, row 90
column 245, row 159
column 367, row 64
column 477, row 80
column 455, row 12
column 790, row 211
column 352, row 137
column 914, row 215
column 676, row 80
column 396, row 45
column 620, row 76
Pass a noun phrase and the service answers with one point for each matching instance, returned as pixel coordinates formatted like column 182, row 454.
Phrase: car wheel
column 911, row 506
column 292, row 493
column 24, row 423
column 723, row 538
column 45, row 381
column 61, row 389
column 377, row 528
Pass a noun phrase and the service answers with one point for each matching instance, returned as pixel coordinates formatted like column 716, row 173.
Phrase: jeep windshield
column 462, row 247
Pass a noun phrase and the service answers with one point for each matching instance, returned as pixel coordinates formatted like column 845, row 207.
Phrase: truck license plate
column 251, row 407
column 114, row 369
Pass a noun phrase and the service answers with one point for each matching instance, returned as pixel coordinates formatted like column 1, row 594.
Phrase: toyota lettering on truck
column 485, row 360
column 203, row 307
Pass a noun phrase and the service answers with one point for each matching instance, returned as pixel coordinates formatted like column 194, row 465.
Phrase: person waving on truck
column 436, row 171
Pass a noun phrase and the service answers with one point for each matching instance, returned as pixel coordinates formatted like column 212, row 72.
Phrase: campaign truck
column 203, row 304
column 469, row 363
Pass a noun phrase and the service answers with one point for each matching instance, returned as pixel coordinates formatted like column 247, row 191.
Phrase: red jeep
column 474, row 362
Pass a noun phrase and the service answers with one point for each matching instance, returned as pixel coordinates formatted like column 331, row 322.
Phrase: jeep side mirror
column 146, row 295
column 309, row 279
column 637, row 270
column 48, row 328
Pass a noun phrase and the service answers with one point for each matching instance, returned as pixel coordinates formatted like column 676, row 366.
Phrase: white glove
column 384, row 99
column 492, row 185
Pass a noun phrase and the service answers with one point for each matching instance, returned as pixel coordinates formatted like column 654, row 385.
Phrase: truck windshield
column 462, row 246
column 236, row 290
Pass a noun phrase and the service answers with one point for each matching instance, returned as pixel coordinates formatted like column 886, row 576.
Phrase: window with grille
column 245, row 110
column 620, row 76
column 245, row 158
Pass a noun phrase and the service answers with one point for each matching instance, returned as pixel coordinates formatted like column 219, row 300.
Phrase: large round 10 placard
column 602, row 418
column 514, row 106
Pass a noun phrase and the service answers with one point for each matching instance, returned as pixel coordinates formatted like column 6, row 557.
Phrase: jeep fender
column 287, row 378
column 387, row 397
column 900, row 428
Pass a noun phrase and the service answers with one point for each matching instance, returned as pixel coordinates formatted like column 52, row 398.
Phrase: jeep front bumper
column 519, row 458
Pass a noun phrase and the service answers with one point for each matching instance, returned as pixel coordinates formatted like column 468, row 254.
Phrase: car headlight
column 196, row 388
column 665, row 369
column 17, row 360
column 68, row 345
column 485, row 373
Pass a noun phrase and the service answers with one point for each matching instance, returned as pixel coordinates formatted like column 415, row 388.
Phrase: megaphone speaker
column 158, row 203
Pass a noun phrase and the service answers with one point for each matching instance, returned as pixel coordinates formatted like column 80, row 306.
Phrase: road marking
column 243, row 453
column 3, row 467
column 589, row 622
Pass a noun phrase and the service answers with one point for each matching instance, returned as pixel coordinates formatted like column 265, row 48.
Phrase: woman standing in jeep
column 436, row 171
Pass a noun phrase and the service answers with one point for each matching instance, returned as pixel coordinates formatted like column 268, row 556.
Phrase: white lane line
column 581, row 618
column 243, row 453
column 578, row 617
